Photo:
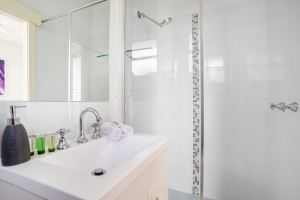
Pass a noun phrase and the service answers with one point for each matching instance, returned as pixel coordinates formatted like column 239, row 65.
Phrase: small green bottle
column 40, row 144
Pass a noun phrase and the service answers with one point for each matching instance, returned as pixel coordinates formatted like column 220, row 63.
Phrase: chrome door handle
column 280, row 106
column 293, row 106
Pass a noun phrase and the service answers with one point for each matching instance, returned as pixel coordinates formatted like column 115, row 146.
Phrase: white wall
column 15, row 71
column 252, row 58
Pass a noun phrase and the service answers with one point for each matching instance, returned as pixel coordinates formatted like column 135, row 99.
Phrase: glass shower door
column 159, row 82
column 89, row 59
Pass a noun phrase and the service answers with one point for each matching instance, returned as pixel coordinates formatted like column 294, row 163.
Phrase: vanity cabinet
column 11, row 192
column 159, row 190
column 150, row 184
column 142, row 176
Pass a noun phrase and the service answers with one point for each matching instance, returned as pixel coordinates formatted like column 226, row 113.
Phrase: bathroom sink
column 101, row 153
column 67, row 174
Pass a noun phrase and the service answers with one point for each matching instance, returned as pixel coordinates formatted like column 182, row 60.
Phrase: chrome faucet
column 82, row 137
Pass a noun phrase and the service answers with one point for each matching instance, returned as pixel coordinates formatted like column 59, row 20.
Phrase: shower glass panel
column 49, row 69
column 79, row 42
column 251, row 57
column 89, row 47
column 159, row 82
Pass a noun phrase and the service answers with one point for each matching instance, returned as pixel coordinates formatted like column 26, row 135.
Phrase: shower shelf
column 103, row 55
column 129, row 51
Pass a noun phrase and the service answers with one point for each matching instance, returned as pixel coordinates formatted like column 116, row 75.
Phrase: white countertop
column 54, row 182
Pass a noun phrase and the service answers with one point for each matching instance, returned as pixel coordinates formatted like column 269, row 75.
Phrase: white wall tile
column 250, row 150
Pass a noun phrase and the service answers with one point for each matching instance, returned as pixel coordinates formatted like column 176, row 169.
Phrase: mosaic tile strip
column 196, row 104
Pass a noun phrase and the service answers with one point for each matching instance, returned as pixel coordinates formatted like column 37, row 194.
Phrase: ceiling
column 49, row 8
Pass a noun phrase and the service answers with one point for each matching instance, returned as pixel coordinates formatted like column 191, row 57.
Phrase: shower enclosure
column 251, row 89
column 161, row 83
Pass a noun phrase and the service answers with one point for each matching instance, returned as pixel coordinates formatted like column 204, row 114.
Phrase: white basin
column 66, row 174
column 101, row 153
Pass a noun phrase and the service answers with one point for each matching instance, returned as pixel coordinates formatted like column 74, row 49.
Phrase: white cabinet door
column 11, row 192
column 146, row 197
column 159, row 191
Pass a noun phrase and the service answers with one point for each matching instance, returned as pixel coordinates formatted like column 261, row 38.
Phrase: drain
column 98, row 172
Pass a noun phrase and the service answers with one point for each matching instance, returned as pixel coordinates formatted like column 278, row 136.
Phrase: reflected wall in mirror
column 70, row 65
column 13, row 63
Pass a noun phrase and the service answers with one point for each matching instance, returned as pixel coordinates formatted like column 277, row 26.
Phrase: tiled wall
column 252, row 50
column 196, row 105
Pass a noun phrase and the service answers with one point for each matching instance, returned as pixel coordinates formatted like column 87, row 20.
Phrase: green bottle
column 40, row 144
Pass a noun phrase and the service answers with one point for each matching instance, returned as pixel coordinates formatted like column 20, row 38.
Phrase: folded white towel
column 127, row 130
column 116, row 134
column 113, row 131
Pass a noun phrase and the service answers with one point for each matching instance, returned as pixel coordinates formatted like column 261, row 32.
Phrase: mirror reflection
column 71, row 57
column 13, row 63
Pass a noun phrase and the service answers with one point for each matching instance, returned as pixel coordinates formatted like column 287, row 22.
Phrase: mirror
column 13, row 65
column 72, row 62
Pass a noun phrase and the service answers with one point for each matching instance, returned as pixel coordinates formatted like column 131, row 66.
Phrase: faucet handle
column 62, row 142
column 96, row 124
column 97, row 133
column 62, row 132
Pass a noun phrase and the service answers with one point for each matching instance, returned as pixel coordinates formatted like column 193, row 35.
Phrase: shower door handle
column 293, row 106
column 280, row 106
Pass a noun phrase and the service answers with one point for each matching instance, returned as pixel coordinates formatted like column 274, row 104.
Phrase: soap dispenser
column 15, row 145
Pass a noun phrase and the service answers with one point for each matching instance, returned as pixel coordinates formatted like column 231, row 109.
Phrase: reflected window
column 76, row 72
column 144, row 58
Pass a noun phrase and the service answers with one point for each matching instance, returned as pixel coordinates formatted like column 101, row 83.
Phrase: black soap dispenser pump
column 15, row 145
